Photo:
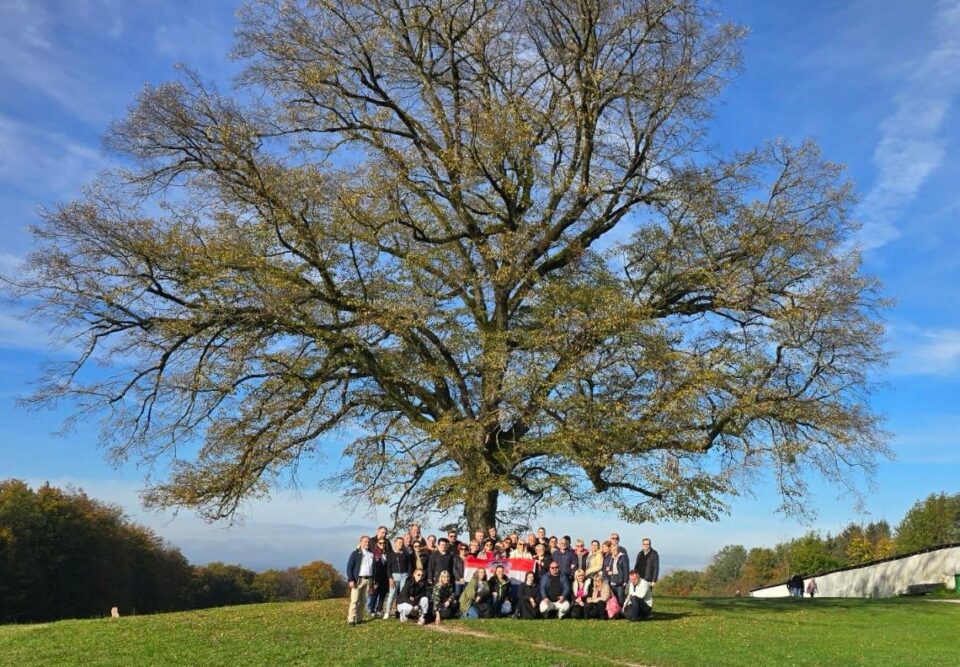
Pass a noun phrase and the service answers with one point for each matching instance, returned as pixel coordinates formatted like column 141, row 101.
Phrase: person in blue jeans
column 398, row 569
column 615, row 569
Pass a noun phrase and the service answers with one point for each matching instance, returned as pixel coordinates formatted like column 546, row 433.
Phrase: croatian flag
column 516, row 568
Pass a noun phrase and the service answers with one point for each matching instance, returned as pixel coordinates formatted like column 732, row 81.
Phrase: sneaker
column 422, row 621
column 386, row 615
column 403, row 619
column 351, row 623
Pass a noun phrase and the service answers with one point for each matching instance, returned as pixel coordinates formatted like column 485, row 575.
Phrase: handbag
column 613, row 607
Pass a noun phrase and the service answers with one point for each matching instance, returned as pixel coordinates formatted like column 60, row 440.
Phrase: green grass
column 682, row 632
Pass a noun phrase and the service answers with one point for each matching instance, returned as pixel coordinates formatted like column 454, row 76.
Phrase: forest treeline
column 66, row 555
column 931, row 522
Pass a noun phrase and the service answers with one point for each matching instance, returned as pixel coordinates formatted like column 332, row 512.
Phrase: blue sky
column 874, row 82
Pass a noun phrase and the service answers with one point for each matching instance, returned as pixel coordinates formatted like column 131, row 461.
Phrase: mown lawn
column 682, row 632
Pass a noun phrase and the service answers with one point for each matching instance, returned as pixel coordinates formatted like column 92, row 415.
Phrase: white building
column 882, row 578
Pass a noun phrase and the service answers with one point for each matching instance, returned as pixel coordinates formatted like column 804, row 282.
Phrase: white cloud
column 44, row 164
column 9, row 264
column 33, row 57
column 911, row 146
column 19, row 334
column 925, row 351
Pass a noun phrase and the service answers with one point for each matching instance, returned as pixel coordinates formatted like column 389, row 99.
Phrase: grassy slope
column 683, row 632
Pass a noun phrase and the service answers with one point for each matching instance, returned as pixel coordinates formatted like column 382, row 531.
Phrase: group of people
column 426, row 578
column 795, row 586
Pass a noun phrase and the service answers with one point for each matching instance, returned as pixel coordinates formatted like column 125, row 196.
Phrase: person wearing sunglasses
column 459, row 567
column 415, row 595
column 380, row 586
column 554, row 592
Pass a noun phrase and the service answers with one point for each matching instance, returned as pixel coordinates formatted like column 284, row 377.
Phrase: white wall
column 883, row 579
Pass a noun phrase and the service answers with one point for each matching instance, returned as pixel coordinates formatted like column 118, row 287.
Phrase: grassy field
column 682, row 632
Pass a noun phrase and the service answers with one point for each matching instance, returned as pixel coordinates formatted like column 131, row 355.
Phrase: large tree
column 483, row 242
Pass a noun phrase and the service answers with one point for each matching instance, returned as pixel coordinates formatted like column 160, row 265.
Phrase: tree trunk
column 480, row 510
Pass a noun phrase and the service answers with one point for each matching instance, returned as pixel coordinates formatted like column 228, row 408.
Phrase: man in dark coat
column 440, row 560
column 359, row 578
column 565, row 558
column 648, row 563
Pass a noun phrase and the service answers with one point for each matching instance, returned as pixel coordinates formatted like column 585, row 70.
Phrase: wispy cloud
column 32, row 57
column 10, row 264
column 90, row 56
column 911, row 145
column 925, row 351
column 20, row 334
column 45, row 164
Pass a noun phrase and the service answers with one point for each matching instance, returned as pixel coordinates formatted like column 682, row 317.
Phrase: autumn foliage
column 66, row 555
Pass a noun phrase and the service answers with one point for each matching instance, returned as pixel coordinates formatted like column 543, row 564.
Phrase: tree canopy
column 931, row 522
column 65, row 555
column 488, row 245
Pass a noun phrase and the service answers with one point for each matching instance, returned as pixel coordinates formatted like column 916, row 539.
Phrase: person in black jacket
column 459, row 568
column 380, row 585
column 541, row 560
column 617, row 547
column 415, row 594
column 441, row 560
column 419, row 558
column 501, row 590
column 398, row 569
column 648, row 563
column 528, row 598
column 565, row 558
column 581, row 555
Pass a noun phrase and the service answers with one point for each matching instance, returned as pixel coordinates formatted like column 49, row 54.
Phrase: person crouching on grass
column 554, row 592
column 597, row 601
column 475, row 600
column 415, row 594
column 528, row 597
column 639, row 598
column 501, row 590
column 445, row 605
column 581, row 592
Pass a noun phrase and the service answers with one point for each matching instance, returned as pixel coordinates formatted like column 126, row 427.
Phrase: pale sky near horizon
column 875, row 83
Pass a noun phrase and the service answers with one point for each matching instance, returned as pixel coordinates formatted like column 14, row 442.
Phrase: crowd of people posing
column 430, row 580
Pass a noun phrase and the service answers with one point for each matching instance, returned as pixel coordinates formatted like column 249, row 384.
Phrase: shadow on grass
column 775, row 605
column 668, row 616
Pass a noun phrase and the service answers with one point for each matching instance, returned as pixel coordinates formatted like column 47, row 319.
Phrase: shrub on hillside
column 218, row 585
column 281, row 585
column 323, row 581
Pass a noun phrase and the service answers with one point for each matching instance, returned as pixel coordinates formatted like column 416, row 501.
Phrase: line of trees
column 930, row 522
column 66, row 555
